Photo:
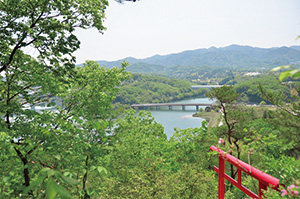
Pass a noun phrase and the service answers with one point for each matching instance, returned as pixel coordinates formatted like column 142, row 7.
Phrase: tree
column 144, row 164
column 287, row 113
column 46, row 27
column 41, row 146
column 45, row 144
column 226, row 96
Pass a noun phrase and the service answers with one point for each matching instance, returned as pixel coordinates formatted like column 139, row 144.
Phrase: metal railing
column 265, row 180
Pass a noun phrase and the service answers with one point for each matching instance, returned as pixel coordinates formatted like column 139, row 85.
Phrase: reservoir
column 178, row 118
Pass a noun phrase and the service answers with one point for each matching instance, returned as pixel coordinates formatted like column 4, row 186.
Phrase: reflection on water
column 178, row 118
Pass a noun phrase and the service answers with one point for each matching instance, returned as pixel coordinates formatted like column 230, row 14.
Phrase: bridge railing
column 265, row 180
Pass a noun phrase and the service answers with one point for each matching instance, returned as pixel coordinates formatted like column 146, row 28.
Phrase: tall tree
column 44, row 144
column 40, row 145
column 46, row 27
column 227, row 96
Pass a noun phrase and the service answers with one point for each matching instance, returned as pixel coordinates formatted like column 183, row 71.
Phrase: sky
column 149, row 27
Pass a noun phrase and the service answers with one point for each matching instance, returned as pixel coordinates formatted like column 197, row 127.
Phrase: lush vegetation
column 233, row 57
column 89, row 153
column 87, row 148
column 155, row 89
column 248, row 86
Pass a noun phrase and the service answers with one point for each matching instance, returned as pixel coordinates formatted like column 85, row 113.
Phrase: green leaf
column 51, row 173
column 50, row 189
column 35, row 183
column 92, row 168
column 57, row 157
column 281, row 67
column 69, row 180
column 43, row 170
column 64, row 193
column 100, row 169
column 295, row 73
column 284, row 75
column 100, row 125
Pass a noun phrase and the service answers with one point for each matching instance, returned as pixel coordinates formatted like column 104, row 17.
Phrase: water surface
column 178, row 118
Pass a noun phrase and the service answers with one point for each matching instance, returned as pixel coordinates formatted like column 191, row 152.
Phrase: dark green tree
column 46, row 27
column 41, row 146
column 227, row 96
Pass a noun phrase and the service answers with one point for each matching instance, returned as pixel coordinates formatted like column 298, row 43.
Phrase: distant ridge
column 233, row 56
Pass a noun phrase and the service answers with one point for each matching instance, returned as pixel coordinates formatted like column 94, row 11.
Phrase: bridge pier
column 169, row 105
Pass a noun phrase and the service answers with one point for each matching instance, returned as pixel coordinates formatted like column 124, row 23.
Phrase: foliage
column 294, row 72
column 65, row 142
column 61, row 136
column 249, row 86
column 144, row 164
column 154, row 89
column 287, row 115
column 233, row 57
column 47, row 27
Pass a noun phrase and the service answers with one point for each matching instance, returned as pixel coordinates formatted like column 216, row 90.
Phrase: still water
column 178, row 118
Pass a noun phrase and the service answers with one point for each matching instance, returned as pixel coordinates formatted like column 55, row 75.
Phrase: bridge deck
column 170, row 104
column 205, row 86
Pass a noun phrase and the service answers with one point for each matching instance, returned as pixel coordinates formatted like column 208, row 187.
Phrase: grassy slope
column 213, row 118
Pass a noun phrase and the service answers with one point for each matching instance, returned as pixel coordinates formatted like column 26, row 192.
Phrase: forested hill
column 234, row 56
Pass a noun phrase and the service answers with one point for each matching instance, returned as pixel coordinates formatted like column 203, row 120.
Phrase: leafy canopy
column 46, row 28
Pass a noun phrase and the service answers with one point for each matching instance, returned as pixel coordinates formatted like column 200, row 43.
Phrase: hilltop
column 231, row 57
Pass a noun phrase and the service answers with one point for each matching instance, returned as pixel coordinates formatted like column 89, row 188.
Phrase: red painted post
column 260, row 187
column 221, row 178
column 239, row 177
column 264, row 179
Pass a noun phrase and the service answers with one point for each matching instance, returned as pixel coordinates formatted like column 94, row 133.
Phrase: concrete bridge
column 206, row 86
column 170, row 105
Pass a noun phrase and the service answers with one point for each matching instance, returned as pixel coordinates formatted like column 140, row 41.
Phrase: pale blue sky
column 150, row 27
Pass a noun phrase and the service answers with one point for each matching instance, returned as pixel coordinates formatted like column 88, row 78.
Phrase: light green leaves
column 69, row 180
column 280, row 67
column 50, row 189
column 50, row 178
column 295, row 73
column 101, row 169
column 47, row 26
column 53, row 190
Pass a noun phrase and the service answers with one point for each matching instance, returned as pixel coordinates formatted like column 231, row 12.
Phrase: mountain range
column 233, row 56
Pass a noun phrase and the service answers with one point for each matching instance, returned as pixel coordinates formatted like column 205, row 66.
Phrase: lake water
column 178, row 118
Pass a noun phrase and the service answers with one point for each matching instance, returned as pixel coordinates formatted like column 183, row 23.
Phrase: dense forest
column 154, row 89
column 233, row 56
column 141, row 88
column 92, row 147
column 130, row 156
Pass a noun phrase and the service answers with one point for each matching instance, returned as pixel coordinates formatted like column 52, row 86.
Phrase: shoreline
column 213, row 118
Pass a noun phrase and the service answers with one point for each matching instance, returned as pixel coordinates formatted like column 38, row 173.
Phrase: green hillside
column 234, row 56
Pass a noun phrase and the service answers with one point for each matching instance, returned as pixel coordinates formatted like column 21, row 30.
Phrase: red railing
column 265, row 180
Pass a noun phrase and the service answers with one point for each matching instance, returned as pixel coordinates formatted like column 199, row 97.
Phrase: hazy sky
column 148, row 27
